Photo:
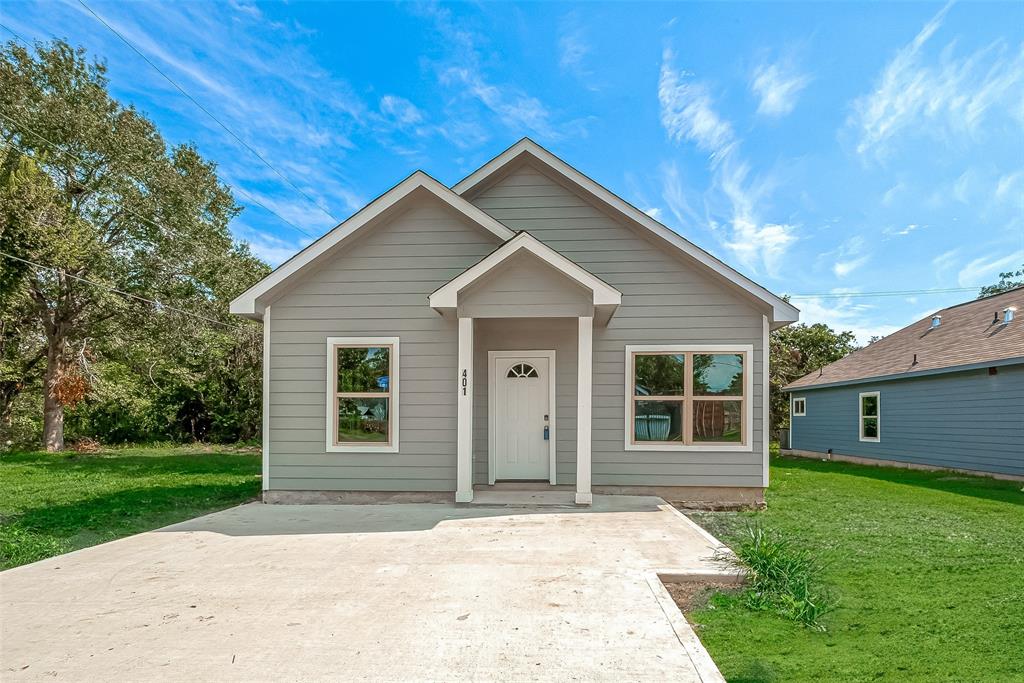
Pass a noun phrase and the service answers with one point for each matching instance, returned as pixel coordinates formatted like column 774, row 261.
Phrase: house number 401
column 465, row 381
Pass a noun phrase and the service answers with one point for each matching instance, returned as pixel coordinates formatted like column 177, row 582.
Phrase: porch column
column 584, row 401
column 464, row 387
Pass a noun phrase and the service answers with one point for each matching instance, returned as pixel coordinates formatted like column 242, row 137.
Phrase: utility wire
column 908, row 292
column 64, row 151
column 123, row 293
column 208, row 113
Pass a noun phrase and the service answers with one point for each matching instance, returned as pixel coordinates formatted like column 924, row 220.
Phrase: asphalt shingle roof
column 970, row 333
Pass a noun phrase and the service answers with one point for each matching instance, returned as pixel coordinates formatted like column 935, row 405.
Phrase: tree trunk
column 53, row 411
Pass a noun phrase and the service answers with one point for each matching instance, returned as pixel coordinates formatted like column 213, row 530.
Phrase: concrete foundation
column 859, row 460
column 356, row 497
column 696, row 497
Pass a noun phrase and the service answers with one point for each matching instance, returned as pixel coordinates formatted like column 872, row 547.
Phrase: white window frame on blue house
column 862, row 416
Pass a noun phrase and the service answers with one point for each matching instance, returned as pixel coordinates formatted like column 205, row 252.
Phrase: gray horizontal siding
column 523, row 287
column 378, row 286
column 963, row 420
column 664, row 299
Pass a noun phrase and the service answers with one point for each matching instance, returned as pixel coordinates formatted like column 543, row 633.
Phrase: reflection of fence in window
column 716, row 420
column 653, row 427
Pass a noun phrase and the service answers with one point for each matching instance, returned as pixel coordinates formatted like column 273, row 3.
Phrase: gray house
column 524, row 328
column 945, row 392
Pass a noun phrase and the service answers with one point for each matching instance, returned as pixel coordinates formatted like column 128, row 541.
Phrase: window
column 799, row 407
column 870, row 416
column 522, row 370
column 362, row 394
column 693, row 397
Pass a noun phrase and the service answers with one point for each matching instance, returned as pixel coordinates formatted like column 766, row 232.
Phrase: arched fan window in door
column 521, row 370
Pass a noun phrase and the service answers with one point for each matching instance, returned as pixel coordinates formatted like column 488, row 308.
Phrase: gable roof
column 783, row 312
column 252, row 302
column 606, row 297
column 969, row 335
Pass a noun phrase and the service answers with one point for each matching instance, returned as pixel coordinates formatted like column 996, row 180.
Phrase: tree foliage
column 90, row 190
column 1007, row 281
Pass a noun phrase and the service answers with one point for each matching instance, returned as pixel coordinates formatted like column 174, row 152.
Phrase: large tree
column 105, row 205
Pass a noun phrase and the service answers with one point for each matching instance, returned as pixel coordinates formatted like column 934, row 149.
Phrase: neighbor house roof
column 783, row 313
column 252, row 302
column 606, row 297
column 968, row 335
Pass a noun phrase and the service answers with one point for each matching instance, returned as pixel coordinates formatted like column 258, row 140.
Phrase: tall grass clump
column 783, row 577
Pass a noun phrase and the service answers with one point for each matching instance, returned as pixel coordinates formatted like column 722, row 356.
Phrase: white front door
column 521, row 414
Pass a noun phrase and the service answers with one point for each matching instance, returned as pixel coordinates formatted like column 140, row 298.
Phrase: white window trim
column 332, row 382
column 803, row 411
column 748, row 396
column 861, row 416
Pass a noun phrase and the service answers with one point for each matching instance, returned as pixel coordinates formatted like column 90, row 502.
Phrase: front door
column 521, row 417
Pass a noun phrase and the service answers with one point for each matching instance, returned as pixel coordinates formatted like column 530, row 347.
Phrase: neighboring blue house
column 945, row 392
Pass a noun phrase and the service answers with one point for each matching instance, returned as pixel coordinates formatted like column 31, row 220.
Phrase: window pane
column 658, row 421
column 869, row 406
column 363, row 420
column 871, row 427
column 717, row 421
column 717, row 374
column 659, row 375
column 362, row 369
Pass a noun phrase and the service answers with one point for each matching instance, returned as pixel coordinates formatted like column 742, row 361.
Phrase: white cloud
column 891, row 194
column 654, row 212
column 1010, row 187
column 985, row 270
column 777, row 86
column 845, row 313
column 270, row 248
column 944, row 263
column 674, row 193
column 573, row 49
column 400, row 110
column 947, row 99
column 687, row 111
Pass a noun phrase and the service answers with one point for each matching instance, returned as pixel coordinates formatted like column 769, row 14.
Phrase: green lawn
column 53, row 503
column 928, row 566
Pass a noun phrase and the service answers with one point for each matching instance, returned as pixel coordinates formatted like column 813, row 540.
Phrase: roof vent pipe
column 1008, row 315
column 995, row 318
column 936, row 320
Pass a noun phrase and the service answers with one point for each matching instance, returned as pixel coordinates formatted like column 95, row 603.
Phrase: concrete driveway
column 367, row 592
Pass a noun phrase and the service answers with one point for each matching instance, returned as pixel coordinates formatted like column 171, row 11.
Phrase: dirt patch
column 693, row 595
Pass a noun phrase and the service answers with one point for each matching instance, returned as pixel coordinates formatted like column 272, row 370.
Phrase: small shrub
column 783, row 577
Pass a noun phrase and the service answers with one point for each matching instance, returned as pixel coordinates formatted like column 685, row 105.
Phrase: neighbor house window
column 688, row 397
column 870, row 416
column 799, row 407
column 362, row 394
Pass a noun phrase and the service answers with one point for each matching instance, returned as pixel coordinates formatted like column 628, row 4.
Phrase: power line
column 906, row 292
column 64, row 151
column 208, row 113
column 158, row 304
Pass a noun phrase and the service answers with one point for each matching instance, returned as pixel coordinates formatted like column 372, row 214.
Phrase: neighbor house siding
column 376, row 286
column 962, row 420
column 664, row 299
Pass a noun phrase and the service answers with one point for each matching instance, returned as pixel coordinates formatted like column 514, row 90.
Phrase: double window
column 688, row 397
column 362, row 394
column 870, row 416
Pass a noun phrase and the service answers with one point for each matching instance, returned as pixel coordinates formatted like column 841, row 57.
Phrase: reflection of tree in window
column 718, row 374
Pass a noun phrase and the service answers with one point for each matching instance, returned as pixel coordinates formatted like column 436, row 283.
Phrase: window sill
column 866, row 439
column 367, row 450
column 716, row 447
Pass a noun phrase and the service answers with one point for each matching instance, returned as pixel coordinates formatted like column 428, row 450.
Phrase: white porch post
column 266, row 399
column 584, row 401
column 464, row 387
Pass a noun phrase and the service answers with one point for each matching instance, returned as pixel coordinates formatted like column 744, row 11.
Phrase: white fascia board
column 783, row 313
column 248, row 304
column 447, row 296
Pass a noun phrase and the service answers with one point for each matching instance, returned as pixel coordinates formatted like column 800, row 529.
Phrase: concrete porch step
column 508, row 498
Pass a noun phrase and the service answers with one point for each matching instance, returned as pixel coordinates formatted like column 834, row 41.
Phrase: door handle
column 547, row 432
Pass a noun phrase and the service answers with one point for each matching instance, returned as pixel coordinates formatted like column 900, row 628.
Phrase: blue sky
column 822, row 149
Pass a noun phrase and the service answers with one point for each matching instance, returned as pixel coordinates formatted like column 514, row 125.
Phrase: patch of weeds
column 783, row 577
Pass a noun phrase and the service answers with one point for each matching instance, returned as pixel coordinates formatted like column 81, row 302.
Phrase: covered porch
column 526, row 317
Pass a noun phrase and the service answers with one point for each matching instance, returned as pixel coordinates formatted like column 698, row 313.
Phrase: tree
column 797, row 350
column 1007, row 281
column 100, row 199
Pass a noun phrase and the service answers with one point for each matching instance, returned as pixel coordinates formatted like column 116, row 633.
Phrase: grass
column 928, row 568
column 53, row 503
